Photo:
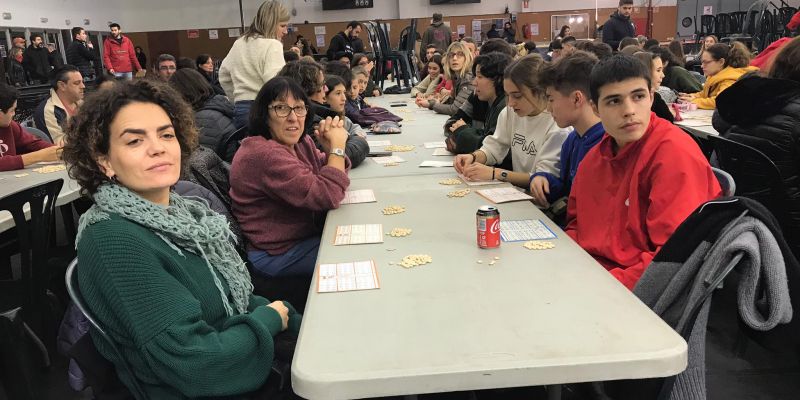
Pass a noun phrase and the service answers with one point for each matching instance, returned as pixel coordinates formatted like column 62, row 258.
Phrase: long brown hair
column 736, row 55
column 786, row 64
column 524, row 72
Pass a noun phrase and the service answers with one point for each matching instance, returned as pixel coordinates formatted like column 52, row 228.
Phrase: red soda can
column 488, row 223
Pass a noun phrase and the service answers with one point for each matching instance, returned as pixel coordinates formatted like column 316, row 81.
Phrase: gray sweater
column 672, row 289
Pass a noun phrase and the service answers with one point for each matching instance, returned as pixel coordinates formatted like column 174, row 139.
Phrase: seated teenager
column 308, row 74
column 355, row 102
column 361, row 79
column 368, row 63
column 213, row 113
column 19, row 148
column 764, row 113
column 159, row 271
column 722, row 65
column 653, row 62
column 566, row 83
column 676, row 77
column 458, row 67
column 488, row 70
column 525, row 129
column 427, row 86
column 335, row 101
column 641, row 181
column 282, row 186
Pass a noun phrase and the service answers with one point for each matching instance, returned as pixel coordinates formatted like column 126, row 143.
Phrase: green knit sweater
column 164, row 312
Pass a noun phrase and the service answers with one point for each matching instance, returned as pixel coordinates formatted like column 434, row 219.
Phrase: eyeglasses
column 283, row 110
column 167, row 68
column 704, row 62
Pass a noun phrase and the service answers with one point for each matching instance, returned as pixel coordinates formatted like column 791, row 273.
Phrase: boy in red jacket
column 640, row 182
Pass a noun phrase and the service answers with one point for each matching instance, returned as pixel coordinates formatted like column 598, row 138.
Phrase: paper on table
column 504, row 195
column 436, row 164
column 359, row 275
column 442, row 152
column 379, row 143
column 359, row 196
column 435, row 145
column 388, row 160
column 358, row 234
column 477, row 183
column 525, row 229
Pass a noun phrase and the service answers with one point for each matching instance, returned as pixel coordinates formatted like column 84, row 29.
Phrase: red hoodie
column 120, row 56
column 624, row 207
column 14, row 142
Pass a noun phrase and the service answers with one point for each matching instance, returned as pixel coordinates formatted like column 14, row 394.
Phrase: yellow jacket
column 707, row 98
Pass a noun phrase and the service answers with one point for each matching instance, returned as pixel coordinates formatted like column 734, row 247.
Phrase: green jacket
column 470, row 138
column 680, row 80
column 164, row 312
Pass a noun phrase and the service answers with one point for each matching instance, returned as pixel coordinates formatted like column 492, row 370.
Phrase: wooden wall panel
column 178, row 43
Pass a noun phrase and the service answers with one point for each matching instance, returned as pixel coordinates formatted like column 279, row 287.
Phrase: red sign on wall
column 193, row 33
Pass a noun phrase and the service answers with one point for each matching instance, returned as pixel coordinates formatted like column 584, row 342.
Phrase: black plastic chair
column 401, row 62
column 73, row 288
column 757, row 178
column 33, row 243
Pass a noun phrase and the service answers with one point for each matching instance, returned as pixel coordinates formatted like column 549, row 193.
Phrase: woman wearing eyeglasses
column 281, row 185
column 722, row 65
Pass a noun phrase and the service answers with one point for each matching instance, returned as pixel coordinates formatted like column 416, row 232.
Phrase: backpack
column 366, row 117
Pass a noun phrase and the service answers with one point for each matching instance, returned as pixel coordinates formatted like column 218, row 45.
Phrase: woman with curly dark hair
column 159, row 271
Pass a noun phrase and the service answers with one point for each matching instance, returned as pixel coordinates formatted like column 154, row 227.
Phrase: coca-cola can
column 488, row 224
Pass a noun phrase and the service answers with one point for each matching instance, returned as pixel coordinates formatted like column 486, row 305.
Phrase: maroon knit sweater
column 14, row 142
column 281, row 199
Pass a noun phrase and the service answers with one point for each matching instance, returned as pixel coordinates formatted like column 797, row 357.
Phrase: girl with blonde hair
column 458, row 70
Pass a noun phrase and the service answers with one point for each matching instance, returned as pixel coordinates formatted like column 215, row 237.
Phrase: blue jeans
column 300, row 260
column 241, row 113
column 124, row 75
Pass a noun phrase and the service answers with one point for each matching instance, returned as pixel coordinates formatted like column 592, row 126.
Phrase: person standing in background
column 619, row 25
column 36, row 59
column 437, row 34
column 140, row 56
column 255, row 58
column 80, row 53
column 342, row 42
column 118, row 54
column 509, row 33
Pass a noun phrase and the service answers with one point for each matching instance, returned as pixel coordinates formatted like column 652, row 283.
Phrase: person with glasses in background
column 166, row 66
column 282, row 186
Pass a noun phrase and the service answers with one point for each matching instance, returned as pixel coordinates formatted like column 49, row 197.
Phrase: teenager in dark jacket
column 488, row 70
column 764, row 113
column 37, row 60
column 619, row 25
column 213, row 114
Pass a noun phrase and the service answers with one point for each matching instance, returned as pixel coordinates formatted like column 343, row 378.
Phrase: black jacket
column 213, row 82
column 617, row 28
column 340, row 43
column 215, row 122
column 81, row 56
column 764, row 113
column 16, row 72
column 661, row 108
column 36, row 61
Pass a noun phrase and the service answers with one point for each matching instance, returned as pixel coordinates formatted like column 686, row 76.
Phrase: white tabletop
column 10, row 183
column 419, row 126
column 534, row 318
column 698, row 122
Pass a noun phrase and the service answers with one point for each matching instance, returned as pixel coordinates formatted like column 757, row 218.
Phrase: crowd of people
column 583, row 127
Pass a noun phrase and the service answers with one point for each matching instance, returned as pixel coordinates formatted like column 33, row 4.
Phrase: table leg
column 553, row 392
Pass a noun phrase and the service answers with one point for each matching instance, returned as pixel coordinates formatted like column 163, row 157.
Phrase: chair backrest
column 34, row 238
column 39, row 133
column 228, row 147
column 726, row 182
column 73, row 288
column 756, row 175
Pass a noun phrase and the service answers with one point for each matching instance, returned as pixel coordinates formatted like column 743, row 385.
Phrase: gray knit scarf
column 184, row 225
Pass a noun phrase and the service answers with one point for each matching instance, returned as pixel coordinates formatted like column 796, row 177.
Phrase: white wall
column 156, row 15
column 27, row 13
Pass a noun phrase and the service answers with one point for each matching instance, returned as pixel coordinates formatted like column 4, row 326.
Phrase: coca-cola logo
column 494, row 227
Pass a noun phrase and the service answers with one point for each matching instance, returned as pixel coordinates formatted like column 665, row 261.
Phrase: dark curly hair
column 87, row 133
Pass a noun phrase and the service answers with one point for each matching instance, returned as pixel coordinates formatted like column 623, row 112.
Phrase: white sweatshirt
column 534, row 142
column 249, row 65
